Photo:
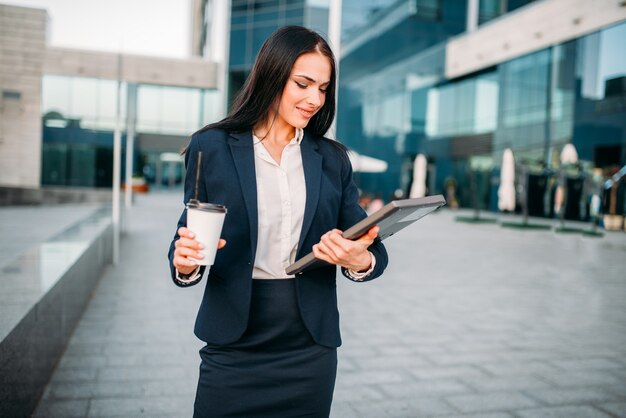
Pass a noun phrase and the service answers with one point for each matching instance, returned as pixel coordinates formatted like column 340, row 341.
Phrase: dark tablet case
column 391, row 218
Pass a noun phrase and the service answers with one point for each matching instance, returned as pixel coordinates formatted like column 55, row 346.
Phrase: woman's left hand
column 353, row 255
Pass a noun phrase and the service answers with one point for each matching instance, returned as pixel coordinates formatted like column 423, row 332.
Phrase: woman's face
column 305, row 91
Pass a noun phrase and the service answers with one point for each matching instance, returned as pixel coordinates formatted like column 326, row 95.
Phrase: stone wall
column 22, row 53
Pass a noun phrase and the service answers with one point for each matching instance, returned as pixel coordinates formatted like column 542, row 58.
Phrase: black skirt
column 274, row 370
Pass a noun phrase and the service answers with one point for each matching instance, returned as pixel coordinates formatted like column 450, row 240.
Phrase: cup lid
column 208, row 207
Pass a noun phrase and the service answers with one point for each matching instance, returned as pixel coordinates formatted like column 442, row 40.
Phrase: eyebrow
column 311, row 79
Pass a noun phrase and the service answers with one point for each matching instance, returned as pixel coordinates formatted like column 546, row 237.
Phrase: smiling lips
column 306, row 113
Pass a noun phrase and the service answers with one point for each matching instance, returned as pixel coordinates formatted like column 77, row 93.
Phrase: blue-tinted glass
column 168, row 110
column 237, row 47
column 600, row 116
column 428, row 9
column 516, row 4
column 292, row 13
column 525, row 84
column 262, row 5
column 239, row 5
column 266, row 17
column 90, row 102
column 238, row 19
column 260, row 35
column 488, row 10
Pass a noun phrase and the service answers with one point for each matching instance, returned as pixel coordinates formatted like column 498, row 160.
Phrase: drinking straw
column 198, row 174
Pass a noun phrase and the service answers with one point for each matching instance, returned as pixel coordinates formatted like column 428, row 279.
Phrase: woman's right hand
column 187, row 246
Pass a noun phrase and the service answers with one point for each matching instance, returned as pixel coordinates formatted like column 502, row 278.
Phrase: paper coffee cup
column 205, row 220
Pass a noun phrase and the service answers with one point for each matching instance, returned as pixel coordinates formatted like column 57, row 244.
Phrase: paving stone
column 357, row 394
column 61, row 409
column 517, row 368
column 342, row 410
column 582, row 378
column 617, row 409
column 563, row 412
column 148, row 407
column 491, row 402
column 494, row 317
column 82, row 361
column 90, row 390
column 492, row 384
column 587, row 363
column 124, row 374
column 571, row 396
column 481, row 415
column 423, row 389
column 440, row 372
column 77, row 376
column 402, row 408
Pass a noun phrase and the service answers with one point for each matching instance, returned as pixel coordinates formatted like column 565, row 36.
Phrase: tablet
column 391, row 218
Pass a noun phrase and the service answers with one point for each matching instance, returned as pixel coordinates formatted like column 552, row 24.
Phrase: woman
column 272, row 338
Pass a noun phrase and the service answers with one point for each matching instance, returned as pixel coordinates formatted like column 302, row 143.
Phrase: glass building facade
column 395, row 102
column 79, row 116
column 253, row 21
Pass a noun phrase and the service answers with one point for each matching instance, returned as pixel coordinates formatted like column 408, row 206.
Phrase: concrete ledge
column 11, row 196
column 43, row 294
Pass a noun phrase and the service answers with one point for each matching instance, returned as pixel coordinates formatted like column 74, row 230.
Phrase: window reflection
column 468, row 107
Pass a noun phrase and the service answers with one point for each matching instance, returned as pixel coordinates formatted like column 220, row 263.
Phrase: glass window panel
column 612, row 58
column 237, row 47
column 212, row 107
column 148, row 108
column 56, row 95
column 83, row 98
column 266, row 17
column 260, row 35
column 107, row 103
column 486, row 105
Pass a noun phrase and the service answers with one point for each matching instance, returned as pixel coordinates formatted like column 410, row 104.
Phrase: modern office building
column 461, row 81
column 58, row 108
column 251, row 22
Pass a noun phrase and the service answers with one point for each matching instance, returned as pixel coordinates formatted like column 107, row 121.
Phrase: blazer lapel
column 242, row 150
column 312, row 164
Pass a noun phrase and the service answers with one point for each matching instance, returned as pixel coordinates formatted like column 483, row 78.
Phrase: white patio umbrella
column 506, row 191
column 569, row 154
column 418, row 188
column 364, row 164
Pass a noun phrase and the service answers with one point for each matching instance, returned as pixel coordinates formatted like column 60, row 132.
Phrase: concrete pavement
column 468, row 321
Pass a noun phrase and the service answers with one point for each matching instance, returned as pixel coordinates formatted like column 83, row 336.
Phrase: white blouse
column 281, row 197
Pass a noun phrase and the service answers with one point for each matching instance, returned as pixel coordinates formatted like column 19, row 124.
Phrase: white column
column 131, row 112
column 220, row 48
column 472, row 15
column 334, row 38
column 117, row 165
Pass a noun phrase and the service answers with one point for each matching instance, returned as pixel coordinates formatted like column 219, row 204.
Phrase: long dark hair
column 269, row 76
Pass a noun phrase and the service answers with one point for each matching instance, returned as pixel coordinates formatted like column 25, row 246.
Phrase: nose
column 315, row 98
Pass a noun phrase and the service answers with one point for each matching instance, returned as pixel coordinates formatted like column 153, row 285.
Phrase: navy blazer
column 228, row 177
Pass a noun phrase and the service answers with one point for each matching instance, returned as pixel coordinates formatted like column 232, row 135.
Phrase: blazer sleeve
column 351, row 213
column 191, row 162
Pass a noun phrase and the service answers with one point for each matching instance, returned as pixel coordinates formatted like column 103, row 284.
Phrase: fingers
column 370, row 236
column 335, row 249
column 186, row 233
column 186, row 246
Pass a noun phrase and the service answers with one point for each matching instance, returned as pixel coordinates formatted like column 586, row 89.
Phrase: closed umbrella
column 569, row 155
column 418, row 188
column 364, row 164
column 506, row 191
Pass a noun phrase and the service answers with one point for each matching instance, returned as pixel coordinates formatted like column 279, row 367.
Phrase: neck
column 278, row 132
